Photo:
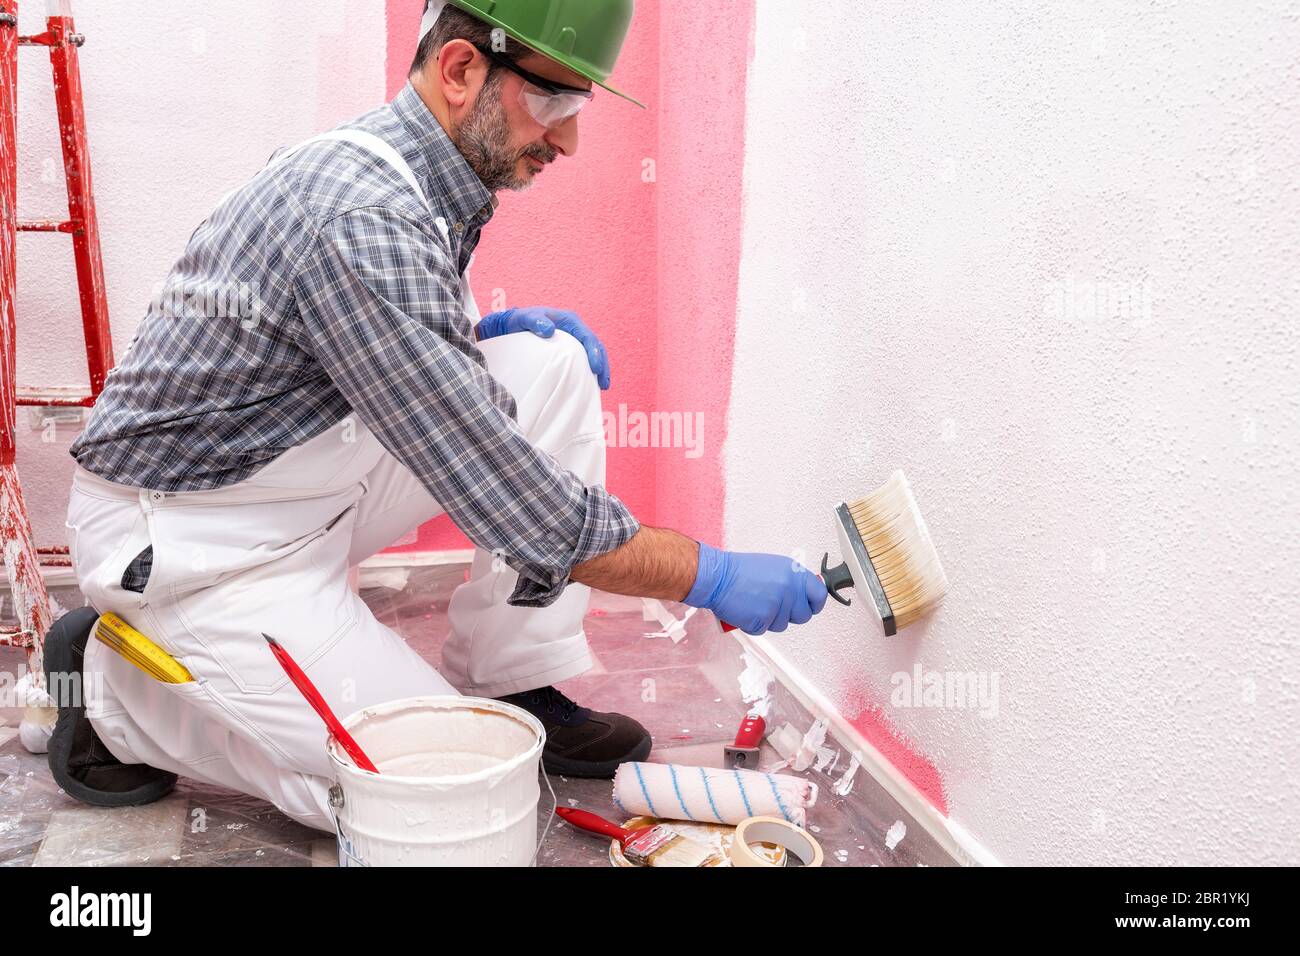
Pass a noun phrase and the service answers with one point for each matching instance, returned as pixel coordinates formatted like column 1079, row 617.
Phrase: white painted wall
column 183, row 102
column 1115, row 497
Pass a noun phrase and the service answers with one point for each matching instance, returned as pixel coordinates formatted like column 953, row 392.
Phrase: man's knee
column 523, row 361
column 561, row 349
column 573, row 351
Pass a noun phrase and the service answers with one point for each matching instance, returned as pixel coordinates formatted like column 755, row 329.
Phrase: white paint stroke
column 844, row 786
column 895, row 834
column 812, row 749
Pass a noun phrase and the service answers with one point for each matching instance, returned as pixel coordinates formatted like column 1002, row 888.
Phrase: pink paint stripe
column 879, row 731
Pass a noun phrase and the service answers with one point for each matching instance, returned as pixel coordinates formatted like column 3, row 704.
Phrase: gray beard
column 483, row 138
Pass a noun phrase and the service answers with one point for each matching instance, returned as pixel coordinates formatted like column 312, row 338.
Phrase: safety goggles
column 551, row 104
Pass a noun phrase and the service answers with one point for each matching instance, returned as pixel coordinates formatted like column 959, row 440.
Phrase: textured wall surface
column 180, row 108
column 1043, row 257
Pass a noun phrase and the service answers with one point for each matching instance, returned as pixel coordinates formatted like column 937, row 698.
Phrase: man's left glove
column 544, row 322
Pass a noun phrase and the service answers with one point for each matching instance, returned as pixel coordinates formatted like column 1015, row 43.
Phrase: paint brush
column 313, row 696
column 888, row 557
column 657, row 845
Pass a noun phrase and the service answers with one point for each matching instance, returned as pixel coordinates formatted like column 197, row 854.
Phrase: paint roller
column 888, row 557
column 708, row 795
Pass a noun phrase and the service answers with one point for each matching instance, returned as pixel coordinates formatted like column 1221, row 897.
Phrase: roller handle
column 751, row 732
column 585, row 820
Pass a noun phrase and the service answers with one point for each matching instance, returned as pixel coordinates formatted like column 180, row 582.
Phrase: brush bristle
column 664, row 846
column 899, row 545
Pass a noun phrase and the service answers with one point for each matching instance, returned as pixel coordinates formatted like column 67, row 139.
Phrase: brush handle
column 313, row 696
column 585, row 820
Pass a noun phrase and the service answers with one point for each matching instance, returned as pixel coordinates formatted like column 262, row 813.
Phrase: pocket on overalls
column 137, row 574
column 296, row 591
column 104, row 536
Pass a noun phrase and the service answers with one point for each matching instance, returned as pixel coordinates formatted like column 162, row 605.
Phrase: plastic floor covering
column 693, row 710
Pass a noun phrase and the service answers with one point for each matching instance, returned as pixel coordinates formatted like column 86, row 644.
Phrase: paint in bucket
column 457, row 784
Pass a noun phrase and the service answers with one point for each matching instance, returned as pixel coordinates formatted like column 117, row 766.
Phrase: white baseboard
column 418, row 559
column 951, row 836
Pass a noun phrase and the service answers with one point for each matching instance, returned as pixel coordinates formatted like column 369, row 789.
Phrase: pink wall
column 652, row 266
column 703, row 67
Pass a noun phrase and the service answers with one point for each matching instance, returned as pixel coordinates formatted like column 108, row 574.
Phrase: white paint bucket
column 457, row 784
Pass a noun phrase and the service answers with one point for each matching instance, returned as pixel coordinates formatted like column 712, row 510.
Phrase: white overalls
column 271, row 555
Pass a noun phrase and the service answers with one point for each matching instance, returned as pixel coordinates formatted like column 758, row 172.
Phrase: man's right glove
column 757, row 593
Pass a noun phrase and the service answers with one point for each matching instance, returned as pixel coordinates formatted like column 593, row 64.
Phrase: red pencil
column 309, row 691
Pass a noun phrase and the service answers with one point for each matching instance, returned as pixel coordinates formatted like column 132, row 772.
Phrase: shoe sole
column 589, row 770
column 59, row 659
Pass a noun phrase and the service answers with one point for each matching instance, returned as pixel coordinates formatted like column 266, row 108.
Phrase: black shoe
column 80, row 762
column 579, row 741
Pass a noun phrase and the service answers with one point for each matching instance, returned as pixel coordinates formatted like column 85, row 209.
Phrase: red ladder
column 22, row 559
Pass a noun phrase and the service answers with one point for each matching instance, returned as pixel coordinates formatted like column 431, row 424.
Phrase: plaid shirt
column 355, row 306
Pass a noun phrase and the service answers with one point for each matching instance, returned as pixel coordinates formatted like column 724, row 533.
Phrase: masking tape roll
column 797, row 842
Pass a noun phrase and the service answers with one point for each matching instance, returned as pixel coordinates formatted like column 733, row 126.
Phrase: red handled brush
column 313, row 697
column 656, row 845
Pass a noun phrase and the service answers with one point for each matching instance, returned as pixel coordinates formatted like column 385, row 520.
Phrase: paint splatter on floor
column 693, row 683
column 895, row 834
column 844, row 786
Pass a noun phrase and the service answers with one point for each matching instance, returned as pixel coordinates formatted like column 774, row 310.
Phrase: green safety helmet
column 584, row 35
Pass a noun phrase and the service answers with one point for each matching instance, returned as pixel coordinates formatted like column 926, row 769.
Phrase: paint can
column 457, row 784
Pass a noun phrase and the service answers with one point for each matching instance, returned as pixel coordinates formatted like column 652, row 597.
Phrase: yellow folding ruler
column 140, row 651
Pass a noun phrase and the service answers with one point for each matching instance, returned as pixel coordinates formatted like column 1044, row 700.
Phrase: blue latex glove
column 757, row 593
column 544, row 322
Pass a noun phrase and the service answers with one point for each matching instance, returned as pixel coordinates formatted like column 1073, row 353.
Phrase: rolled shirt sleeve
column 379, row 300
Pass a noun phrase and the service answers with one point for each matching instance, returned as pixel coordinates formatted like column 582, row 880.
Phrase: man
column 236, row 468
